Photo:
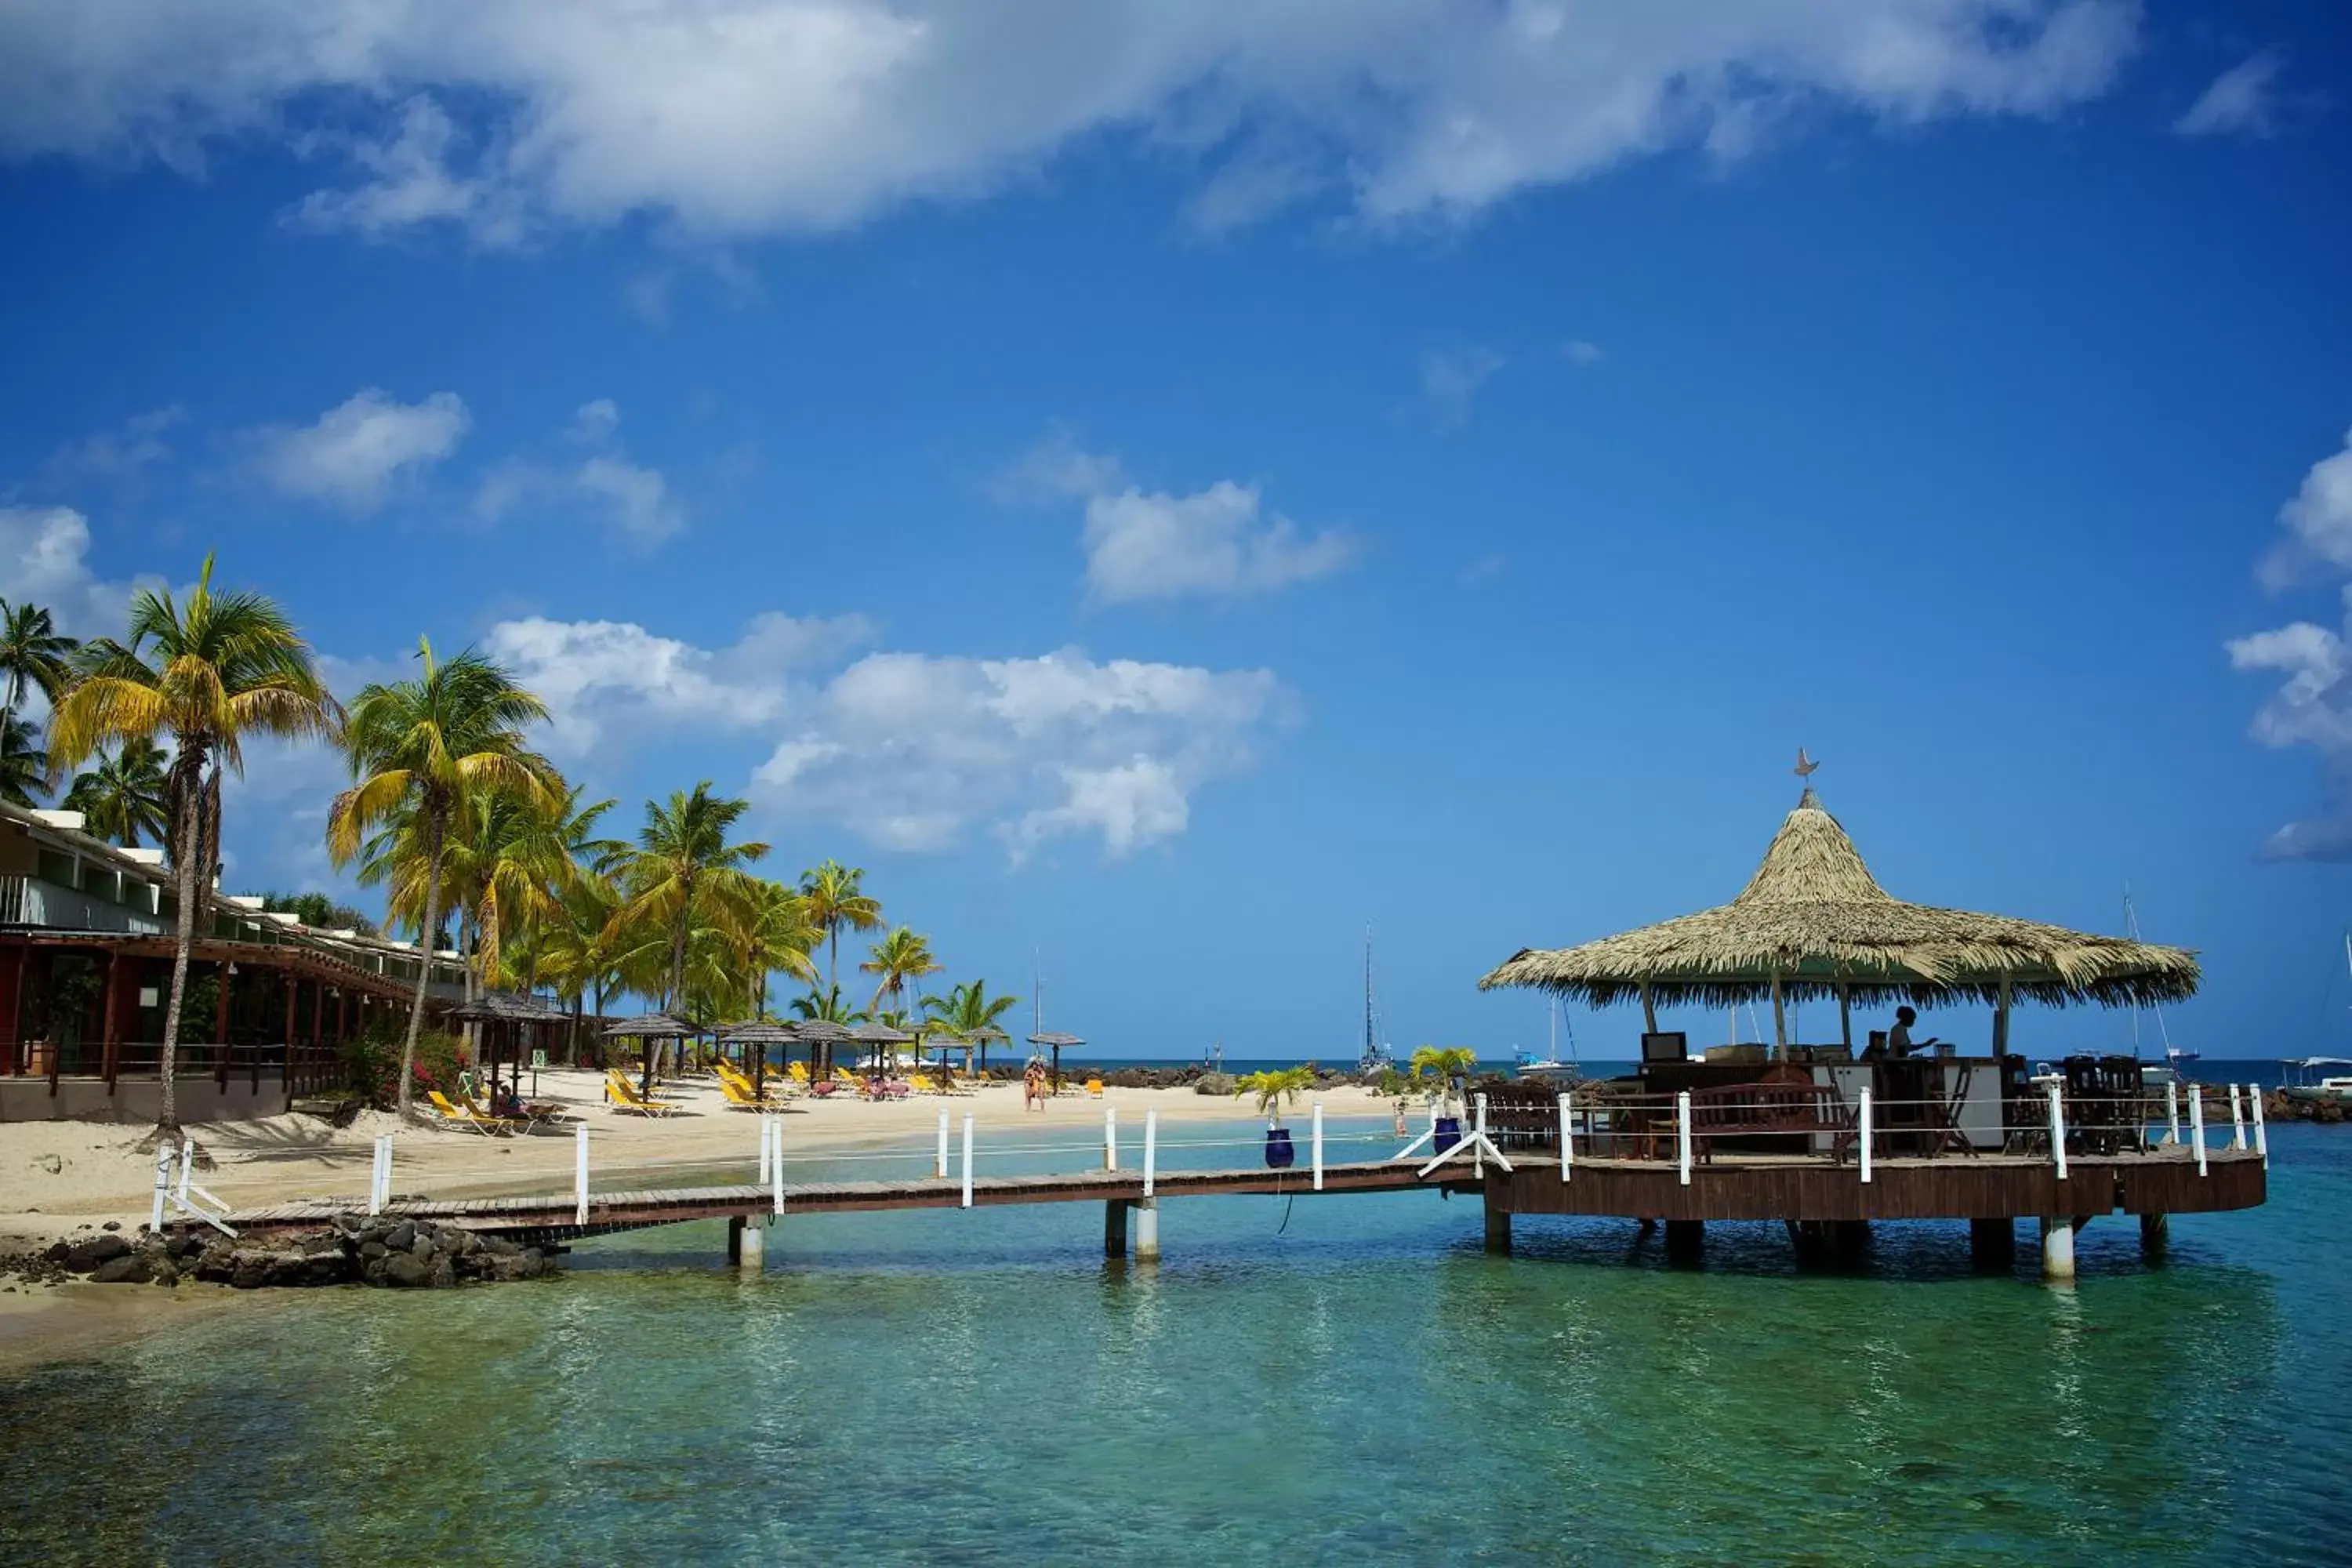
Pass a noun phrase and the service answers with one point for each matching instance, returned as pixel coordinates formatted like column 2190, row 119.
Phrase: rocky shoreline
column 392, row 1255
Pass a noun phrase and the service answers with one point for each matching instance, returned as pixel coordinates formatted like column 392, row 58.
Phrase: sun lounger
column 624, row 1096
column 486, row 1125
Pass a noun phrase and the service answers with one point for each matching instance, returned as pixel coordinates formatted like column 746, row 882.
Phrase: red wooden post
column 11, row 1006
column 109, row 1032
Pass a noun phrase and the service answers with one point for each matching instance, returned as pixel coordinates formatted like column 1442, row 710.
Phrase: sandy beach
column 63, row 1179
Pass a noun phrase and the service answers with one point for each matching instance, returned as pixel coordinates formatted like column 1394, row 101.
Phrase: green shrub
column 370, row 1060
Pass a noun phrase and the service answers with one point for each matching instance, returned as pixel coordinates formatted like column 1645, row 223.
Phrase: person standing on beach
column 1033, row 1087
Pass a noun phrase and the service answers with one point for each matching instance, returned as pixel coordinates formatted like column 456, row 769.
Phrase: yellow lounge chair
column 486, row 1125
column 624, row 1096
column 798, row 1073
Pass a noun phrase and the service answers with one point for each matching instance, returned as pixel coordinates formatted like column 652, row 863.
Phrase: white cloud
column 2239, row 102
column 1212, row 543
column 2318, row 521
column 45, row 561
column 631, row 501
column 118, row 454
column 914, row 752
column 746, row 117
column 2312, row 706
column 1580, row 353
column 1451, row 376
column 359, row 451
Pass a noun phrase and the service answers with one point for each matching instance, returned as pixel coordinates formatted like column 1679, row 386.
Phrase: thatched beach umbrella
column 1056, row 1042
column 649, row 1027
column 1812, row 922
column 818, row 1032
column 880, row 1035
column 757, row 1035
column 981, row 1037
column 504, row 1015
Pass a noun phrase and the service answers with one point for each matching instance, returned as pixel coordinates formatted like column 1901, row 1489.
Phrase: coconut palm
column 213, row 672
column 122, row 797
column 827, row 1007
column 424, row 754
column 775, row 933
column 577, row 952
column 1275, row 1087
column 683, row 869
column 1449, row 1064
column 835, row 901
column 23, row 767
column 32, row 655
column 968, row 1010
column 899, row 959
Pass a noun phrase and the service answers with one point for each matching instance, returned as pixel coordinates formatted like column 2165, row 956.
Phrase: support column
column 12, row 1007
column 1114, row 1226
column 1780, row 1022
column 2154, row 1234
column 1498, row 1231
column 2058, row 1248
column 220, row 1003
column 753, row 1253
column 111, row 1031
column 735, row 1240
column 1686, row 1237
column 1649, row 1012
column 1147, row 1230
column 1992, row 1245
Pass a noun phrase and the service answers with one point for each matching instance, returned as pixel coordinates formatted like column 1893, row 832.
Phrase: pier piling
column 1147, row 1231
column 1498, row 1231
column 2058, row 1248
column 1992, row 1245
column 1686, row 1237
column 1114, row 1226
column 2154, row 1234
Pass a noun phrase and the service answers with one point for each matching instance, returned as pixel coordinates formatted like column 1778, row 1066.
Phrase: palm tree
column 578, row 953
column 827, row 1007
column 32, row 654
column 899, row 958
column 23, row 767
column 775, row 934
column 211, row 672
column 122, row 797
column 434, row 749
column 835, row 901
column 683, row 863
column 968, row 1010
column 1450, row 1065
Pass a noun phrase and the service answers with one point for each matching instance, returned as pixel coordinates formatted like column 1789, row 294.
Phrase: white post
column 939, row 1166
column 2057, row 1134
column 1478, row 1127
column 2058, row 1247
column 1110, row 1137
column 775, row 1165
column 580, row 1174
column 2237, row 1120
column 1316, row 1135
column 2262, row 1129
column 1861, row 1115
column 967, row 1159
column 1683, row 1134
column 1567, row 1139
column 375, row 1177
column 2196, row 1124
column 187, row 1166
column 162, row 1186
column 2172, row 1112
column 1150, row 1150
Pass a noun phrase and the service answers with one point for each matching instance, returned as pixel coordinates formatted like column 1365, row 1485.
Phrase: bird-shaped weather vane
column 1805, row 765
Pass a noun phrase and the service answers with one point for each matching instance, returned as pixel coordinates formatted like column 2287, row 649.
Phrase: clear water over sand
column 1346, row 1379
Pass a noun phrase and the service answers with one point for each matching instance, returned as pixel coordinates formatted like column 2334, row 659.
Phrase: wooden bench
column 1792, row 1108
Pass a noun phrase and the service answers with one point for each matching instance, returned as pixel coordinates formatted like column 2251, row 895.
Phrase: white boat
column 2173, row 1054
column 1529, row 1065
column 2300, row 1084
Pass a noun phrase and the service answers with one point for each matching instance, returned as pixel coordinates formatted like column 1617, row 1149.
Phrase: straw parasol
column 763, row 1033
column 651, row 1027
column 1056, row 1042
column 819, row 1032
column 1812, row 922
column 501, row 1013
column 878, row 1035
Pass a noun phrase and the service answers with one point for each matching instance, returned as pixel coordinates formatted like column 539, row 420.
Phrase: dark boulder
column 403, row 1272
column 127, row 1269
column 86, row 1255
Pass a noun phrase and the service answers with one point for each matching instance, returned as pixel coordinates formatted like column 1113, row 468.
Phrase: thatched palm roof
column 499, row 1007
column 879, row 1035
column 1813, row 918
column 819, row 1029
column 759, row 1031
column 651, row 1027
column 1059, row 1041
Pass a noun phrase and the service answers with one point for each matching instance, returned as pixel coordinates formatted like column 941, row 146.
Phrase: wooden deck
column 554, row 1217
column 1981, row 1186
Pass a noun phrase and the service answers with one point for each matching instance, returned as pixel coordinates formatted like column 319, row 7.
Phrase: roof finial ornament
column 1805, row 764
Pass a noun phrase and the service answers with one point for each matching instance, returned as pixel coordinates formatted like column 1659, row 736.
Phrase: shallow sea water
column 1348, row 1379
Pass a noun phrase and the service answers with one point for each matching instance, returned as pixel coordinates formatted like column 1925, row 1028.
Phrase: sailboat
column 1377, row 1057
column 1549, row 1065
column 2173, row 1054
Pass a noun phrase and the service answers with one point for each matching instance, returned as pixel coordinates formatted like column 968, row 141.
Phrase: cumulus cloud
column 45, row 561
column 1581, row 354
column 121, row 453
column 630, row 500
column 358, row 452
column 747, row 117
column 2239, row 102
column 2313, row 704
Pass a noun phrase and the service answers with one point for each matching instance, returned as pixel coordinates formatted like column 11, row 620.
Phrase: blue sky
column 1162, row 488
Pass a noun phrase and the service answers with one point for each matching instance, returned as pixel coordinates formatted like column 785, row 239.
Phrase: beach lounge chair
column 624, row 1096
column 488, row 1126
column 742, row 1095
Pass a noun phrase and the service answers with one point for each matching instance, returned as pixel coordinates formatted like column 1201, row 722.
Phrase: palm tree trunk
column 424, row 967
column 167, row 1110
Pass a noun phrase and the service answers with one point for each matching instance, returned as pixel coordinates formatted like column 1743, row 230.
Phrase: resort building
column 86, row 946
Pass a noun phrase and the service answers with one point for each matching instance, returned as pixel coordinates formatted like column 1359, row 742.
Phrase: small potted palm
column 1273, row 1089
column 1450, row 1067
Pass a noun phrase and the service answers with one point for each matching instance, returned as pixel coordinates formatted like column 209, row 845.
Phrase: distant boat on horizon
column 2173, row 1054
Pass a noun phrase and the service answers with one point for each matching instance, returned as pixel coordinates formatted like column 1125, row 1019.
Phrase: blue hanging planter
column 1449, row 1134
column 1281, row 1154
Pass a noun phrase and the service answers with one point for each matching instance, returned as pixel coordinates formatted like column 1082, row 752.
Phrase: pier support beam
column 750, row 1250
column 1992, row 1245
column 1114, row 1226
column 2058, row 1248
column 1686, row 1237
column 735, row 1240
column 1147, row 1231
column 2154, row 1234
column 1498, row 1231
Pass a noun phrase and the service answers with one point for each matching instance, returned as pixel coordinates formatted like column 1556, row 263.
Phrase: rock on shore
column 396, row 1255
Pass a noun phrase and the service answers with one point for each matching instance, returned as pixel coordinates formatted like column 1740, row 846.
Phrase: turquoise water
column 1348, row 1379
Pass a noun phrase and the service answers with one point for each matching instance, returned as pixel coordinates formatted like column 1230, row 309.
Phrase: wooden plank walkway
column 554, row 1216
